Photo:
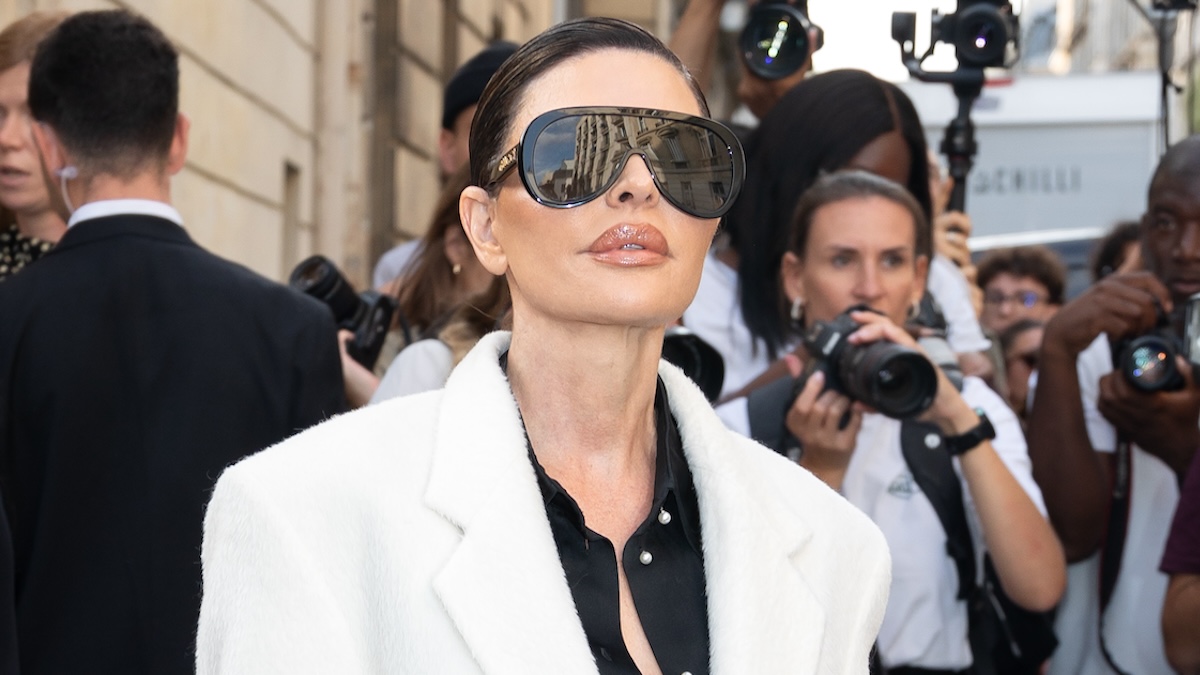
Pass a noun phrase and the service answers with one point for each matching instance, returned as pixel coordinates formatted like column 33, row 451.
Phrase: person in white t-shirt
column 1085, row 416
column 857, row 240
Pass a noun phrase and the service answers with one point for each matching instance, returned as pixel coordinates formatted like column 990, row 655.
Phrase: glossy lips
column 630, row 246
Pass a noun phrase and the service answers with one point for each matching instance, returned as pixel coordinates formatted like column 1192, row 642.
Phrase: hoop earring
column 798, row 310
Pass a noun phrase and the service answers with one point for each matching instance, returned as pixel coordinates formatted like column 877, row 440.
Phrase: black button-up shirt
column 663, row 561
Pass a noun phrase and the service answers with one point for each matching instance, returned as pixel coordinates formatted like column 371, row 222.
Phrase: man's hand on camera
column 815, row 418
column 1120, row 305
column 1162, row 423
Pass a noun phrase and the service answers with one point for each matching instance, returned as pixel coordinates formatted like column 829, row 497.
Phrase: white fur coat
column 410, row 537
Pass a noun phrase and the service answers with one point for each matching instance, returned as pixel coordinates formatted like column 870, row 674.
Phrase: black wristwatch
column 984, row 431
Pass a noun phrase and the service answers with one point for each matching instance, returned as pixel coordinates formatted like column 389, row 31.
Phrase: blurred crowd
column 134, row 366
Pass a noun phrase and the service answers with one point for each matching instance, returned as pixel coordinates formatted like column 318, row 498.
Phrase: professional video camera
column 893, row 379
column 774, row 42
column 368, row 315
column 1148, row 361
column 985, row 34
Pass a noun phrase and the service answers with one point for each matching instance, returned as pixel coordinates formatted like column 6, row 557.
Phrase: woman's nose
column 635, row 184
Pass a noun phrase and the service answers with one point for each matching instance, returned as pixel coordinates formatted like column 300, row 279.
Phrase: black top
column 18, row 250
column 663, row 561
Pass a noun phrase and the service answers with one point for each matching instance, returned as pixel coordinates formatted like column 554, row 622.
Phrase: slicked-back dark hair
column 108, row 84
column 816, row 128
column 506, row 90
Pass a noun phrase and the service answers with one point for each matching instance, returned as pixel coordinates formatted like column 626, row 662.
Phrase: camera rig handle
column 958, row 142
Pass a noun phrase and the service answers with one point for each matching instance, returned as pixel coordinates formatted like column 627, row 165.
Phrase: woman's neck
column 45, row 225
column 586, row 394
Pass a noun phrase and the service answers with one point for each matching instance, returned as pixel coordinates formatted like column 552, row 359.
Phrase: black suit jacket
column 134, row 367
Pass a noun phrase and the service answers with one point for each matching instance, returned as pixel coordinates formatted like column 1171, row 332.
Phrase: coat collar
column 504, row 588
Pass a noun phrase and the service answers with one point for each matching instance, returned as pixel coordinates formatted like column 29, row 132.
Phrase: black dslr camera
column 368, row 315
column 774, row 42
column 895, row 380
column 1148, row 361
column 984, row 32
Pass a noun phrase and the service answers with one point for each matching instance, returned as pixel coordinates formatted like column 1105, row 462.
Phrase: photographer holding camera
column 1110, row 444
column 856, row 244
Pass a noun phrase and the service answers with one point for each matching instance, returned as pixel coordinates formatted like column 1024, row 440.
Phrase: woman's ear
column 477, row 211
column 922, row 276
column 791, row 274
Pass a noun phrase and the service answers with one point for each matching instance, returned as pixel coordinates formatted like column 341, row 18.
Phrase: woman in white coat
column 568, row 503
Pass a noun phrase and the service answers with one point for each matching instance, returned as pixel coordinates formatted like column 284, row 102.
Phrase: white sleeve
column 1093, row 363
column 394, row 262
column 422, row 366
column 949, row 287
column 266, row 607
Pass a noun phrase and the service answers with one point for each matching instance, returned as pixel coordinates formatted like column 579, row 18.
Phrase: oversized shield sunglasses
column 571, row 156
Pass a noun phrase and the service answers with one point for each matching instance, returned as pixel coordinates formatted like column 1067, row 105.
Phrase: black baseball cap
column 466, row 86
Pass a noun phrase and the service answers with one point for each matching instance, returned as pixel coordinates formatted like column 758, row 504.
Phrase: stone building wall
column 315, row 122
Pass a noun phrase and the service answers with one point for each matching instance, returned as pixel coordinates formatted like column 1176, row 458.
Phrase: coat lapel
column 763, row 615
column 503, row 586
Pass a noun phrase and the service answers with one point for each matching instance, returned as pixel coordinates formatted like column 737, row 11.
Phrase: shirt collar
column 123, row 207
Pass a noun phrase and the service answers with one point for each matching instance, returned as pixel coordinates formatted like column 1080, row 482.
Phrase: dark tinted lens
column 567, row 160
column 691, row 163
column 575, row 159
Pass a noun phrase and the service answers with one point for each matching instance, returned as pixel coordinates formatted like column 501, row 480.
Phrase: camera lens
column 775, row 41
column 982, row 36
column 1149, row 364
column 319, row 277
column 895, row 380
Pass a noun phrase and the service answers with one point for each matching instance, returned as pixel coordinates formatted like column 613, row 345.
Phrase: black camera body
column 368, row 315
column 774, row 43
column 895, row 380
column 984, row 32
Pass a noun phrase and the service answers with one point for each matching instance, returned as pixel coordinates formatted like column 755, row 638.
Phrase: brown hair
column 1037, row 262
column 19, row 39
column 477, row 316
column 427, row 292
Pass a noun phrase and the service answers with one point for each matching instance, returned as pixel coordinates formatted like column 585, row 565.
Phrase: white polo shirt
column 925, row 624
column 1133, row 630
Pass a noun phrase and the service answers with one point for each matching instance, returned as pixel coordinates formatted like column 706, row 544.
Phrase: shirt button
column 932, row 441
column 646, row 558
column 663, row 516
column 686, row 672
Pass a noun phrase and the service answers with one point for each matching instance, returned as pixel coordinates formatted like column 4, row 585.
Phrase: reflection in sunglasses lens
column 575, row 159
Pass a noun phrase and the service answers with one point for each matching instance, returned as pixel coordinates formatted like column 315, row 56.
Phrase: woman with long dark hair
column 568, row 503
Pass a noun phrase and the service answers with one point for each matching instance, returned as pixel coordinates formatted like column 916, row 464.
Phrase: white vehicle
column 1061, row 159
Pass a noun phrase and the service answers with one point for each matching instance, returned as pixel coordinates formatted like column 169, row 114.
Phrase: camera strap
column 1113, row 548
column 1004, row 637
